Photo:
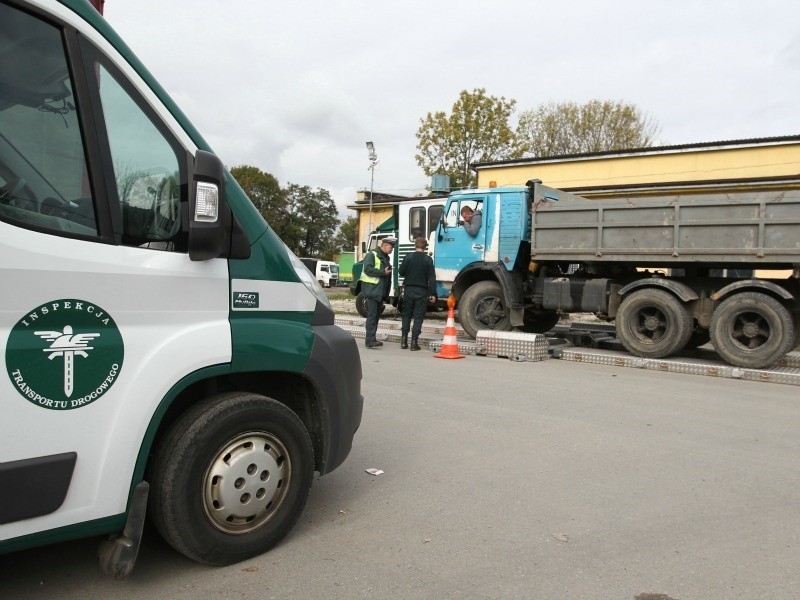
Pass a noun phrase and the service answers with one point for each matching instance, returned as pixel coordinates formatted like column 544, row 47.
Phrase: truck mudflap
column 512, row 290
column 335, row 368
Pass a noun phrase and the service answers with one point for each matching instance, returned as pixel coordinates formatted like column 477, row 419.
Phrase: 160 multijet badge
column 64, row 354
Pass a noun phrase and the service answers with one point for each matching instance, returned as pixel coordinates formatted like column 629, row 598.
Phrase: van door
column 101, row 310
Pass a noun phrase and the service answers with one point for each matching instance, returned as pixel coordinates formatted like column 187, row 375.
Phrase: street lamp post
column 373, row 160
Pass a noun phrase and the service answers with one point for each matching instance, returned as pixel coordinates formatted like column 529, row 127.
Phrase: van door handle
column 477, row 246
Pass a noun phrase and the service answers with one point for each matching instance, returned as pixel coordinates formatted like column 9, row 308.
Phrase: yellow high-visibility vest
column 369, row 278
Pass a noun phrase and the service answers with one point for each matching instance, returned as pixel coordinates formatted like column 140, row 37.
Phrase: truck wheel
column 230, row 478
column 653, row 323
column 752, row 330
column 483, row 307
column 539, row 321
column 361, row 305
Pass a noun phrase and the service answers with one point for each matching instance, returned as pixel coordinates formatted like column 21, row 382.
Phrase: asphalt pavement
column 507, row 479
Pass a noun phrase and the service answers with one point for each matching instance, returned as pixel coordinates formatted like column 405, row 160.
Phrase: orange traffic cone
column 449, row 347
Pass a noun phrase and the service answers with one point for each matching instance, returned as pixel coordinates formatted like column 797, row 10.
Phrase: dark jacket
column 418, row 271
column 376, row 291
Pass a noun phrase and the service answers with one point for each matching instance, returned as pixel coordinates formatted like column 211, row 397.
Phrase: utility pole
column 373, row 160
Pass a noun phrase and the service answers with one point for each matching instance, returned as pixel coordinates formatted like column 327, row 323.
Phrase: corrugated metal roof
column 769, row 141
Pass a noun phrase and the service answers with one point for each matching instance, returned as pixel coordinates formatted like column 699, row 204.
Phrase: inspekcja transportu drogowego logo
column 64, row 354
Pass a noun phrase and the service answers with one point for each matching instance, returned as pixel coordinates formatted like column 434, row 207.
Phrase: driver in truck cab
column 471, row 219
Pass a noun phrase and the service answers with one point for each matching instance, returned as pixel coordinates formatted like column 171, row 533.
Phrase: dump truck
column 165, row 355
column 671, row 270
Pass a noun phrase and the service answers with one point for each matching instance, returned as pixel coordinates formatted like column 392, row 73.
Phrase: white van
column 163, row 350
column 326, row 272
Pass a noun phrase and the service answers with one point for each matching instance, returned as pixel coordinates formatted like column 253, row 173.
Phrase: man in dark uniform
column 375, row 284
column 419, row 286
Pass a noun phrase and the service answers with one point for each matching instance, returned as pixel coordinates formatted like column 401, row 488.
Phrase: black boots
column 404, row 343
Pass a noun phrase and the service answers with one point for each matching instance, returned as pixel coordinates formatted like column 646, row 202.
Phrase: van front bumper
column 335, row 369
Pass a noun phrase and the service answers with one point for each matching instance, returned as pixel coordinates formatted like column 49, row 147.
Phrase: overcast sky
column 297, row 87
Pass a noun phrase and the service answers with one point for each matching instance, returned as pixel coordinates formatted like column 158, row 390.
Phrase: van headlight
column 308, row 279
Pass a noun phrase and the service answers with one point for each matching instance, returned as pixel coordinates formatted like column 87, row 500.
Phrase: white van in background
column 325, row 271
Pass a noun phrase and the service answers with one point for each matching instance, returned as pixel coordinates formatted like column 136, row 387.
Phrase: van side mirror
column 213, row 230
column 363, row 247
column 209, row 214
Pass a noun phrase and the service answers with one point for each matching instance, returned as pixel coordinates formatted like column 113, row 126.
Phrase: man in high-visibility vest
column 375, row 283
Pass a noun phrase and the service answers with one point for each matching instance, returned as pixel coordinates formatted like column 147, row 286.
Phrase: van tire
column 230, row 478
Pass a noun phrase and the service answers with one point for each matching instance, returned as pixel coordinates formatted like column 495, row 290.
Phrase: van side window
column 434, row 216
column 416, row 223
column 44, row 182
column 146, row 171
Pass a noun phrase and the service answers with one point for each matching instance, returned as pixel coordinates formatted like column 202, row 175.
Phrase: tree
column 347, row 237
column 264, row 192
column 477, row 130
column 311, row 221
column 557, row 129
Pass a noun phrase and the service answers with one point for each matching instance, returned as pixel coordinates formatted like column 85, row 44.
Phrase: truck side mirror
column 363, row 247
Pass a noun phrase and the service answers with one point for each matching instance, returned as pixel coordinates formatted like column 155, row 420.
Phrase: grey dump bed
column 761, row 229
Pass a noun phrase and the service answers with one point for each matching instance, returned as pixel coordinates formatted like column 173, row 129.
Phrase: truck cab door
column 455, row 248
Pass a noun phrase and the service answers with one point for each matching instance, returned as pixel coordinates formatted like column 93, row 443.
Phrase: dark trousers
column 373, row 314
column 415, row 303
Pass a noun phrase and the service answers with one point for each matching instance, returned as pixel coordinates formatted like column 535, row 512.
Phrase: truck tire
column 483, row 306
column 653, row 323
column 361, row 305
column 230, row 478
column 539, row 321
column 752, row 330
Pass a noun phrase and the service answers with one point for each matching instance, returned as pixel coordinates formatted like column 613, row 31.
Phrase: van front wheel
column 230, row 478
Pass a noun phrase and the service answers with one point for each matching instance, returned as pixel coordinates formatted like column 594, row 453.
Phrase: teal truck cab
column 651, row 263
